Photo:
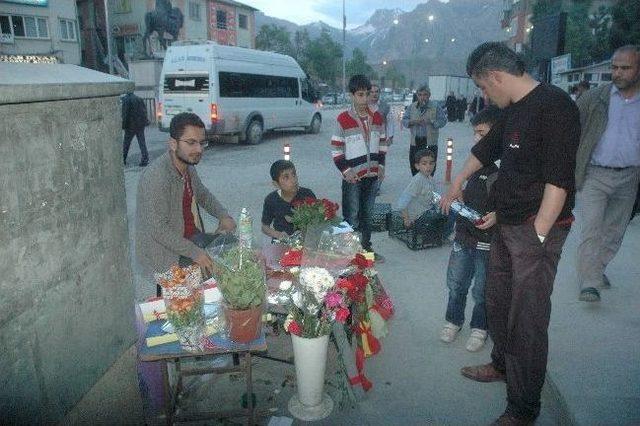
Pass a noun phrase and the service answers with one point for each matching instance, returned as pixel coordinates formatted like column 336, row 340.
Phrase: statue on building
column 163, row 19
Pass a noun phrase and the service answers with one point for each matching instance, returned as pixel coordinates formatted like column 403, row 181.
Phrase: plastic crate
column 379, row 217
column 427, row 231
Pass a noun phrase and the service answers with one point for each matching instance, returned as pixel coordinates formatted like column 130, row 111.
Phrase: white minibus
column 236, row 91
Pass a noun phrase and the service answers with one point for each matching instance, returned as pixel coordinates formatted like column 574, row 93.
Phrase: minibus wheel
column 254, row 133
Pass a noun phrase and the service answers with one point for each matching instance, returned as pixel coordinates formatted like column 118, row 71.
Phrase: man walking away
column 533, row 195
column 607, row 168
column 134, row 120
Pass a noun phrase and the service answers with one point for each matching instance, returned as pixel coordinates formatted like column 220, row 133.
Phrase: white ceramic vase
column 310, row 402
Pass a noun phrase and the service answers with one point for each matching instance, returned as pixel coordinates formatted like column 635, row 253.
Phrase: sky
column 328, row 11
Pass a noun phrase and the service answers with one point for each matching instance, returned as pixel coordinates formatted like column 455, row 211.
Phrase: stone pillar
column 66, row 293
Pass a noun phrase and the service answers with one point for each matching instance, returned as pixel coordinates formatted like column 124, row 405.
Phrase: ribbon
column 370, row 345
column 360, row 378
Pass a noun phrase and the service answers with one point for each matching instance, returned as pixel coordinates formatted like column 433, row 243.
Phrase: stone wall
column 66, row 293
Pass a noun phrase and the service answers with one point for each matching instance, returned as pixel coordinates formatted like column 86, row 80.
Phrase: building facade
column 596, row 75
column 224, row 21
column 232, row 23
column 45, row 29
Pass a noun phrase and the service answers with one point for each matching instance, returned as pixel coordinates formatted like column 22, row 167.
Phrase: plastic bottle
column 245, row 229
column 462, row 210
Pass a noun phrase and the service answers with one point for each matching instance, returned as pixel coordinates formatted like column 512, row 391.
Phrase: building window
column 243, row 21
column 605, row 76
column 68, row 30
column 588, row 76
column 194, row 11
column 221, row 19
column 23, row 26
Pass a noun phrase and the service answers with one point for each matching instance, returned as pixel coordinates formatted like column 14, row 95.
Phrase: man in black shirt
column 536, row 142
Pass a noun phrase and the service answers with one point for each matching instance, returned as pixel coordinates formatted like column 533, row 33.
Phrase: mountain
column 416, row 46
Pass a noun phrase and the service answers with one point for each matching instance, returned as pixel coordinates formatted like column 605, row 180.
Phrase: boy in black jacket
column 470, row 254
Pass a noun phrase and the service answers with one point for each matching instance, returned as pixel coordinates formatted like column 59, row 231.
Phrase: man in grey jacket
column 170, row 194
column 423, row 119
column 607, row 168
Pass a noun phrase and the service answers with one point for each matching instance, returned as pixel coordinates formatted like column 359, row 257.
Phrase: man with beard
column 607, row 168
column 169, row 196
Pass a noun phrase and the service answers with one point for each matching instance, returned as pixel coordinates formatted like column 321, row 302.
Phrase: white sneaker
column 449, row 332
column 476, row 340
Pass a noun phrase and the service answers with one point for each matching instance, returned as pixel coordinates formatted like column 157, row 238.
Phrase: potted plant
column 243, row 287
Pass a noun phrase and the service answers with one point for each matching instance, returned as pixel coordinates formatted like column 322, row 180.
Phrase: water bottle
column 245, row 229
column 462, row 210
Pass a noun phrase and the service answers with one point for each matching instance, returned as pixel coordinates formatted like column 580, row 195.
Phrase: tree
column 325, row 58
column 275, row 39
column 578, row 38
column 300, row 48
column 358, row 65
column 625, row 28
column 393, row 76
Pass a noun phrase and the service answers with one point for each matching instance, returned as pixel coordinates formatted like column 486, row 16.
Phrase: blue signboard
column 29, row 2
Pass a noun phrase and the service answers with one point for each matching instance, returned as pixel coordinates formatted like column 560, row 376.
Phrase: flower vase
column 310, row 402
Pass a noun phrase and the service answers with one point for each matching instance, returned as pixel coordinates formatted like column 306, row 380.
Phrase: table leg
column 247, row 360
column 168, row 398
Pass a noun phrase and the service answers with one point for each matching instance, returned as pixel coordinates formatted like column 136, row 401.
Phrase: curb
column 560, row 408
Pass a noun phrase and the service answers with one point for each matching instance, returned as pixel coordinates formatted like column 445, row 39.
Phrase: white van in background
column 236, row 91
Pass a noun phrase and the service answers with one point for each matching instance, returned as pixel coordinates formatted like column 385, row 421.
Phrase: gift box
column 379, row 217
column 427, row 231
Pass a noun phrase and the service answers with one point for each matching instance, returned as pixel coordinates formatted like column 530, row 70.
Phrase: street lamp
column 384, row 62
column 430, row 18
column 453, row 40
column 395, row 21
column 426, row 40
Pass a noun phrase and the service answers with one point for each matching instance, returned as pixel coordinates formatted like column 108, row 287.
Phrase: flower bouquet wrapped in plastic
column 184, row 300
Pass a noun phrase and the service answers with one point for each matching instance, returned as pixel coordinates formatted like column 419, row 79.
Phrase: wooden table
column 173, row 353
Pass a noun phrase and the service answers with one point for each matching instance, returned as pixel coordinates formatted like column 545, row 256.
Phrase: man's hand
column 488, row 221
column 407, row 222
column 350, row 176
column 226, row 225
column 454, row 193
column 205, row 262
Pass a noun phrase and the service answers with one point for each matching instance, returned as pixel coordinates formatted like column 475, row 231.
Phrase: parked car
column 330, row 99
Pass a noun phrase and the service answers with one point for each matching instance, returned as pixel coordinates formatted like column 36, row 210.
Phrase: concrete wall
column 66, row 293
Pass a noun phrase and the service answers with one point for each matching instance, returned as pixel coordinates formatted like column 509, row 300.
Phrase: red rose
column 294, row 328
column 362, row 262
column 342, row 314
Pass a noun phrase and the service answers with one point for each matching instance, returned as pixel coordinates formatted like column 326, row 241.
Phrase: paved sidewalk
column 594, row 359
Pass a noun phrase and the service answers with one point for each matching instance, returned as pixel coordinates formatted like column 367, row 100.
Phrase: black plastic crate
column 427, row 231
column 379, row 217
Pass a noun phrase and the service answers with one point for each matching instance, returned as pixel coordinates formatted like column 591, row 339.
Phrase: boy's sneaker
column 476, row 340
column 449, row 332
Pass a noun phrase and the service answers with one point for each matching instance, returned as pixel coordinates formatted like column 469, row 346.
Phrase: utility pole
column 108, row 32
column 344, row 52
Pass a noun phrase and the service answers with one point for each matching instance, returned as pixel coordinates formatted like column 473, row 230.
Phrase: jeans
column 358, row 200
column 421, row 143
column 126, row 144
column 467, row 265
column 518, row 300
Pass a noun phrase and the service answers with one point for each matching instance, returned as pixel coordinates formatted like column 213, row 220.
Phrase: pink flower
column 342, row 314
column 333, row 299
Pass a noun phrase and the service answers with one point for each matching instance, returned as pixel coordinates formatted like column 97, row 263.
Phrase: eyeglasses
column 191, row 143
